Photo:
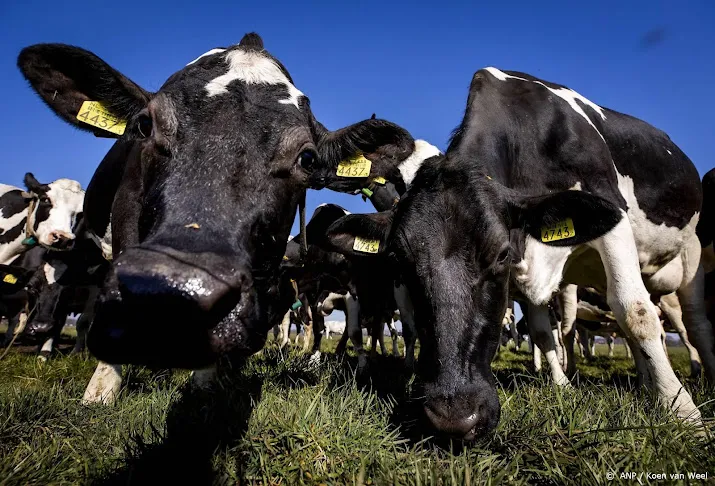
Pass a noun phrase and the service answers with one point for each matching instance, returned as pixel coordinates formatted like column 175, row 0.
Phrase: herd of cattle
column 179, row 252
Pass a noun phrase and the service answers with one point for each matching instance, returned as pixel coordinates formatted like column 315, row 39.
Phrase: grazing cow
column 202, row 187
column 46, row 215
column 334, row 327
column 539, row 187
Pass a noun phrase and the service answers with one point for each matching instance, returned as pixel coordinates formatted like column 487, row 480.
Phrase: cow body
column 539, row 187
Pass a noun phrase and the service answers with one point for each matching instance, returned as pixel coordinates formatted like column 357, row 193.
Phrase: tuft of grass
column 278, row 419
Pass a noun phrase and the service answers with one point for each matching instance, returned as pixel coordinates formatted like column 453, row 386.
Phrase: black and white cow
column 45, row 214
column 70, row 283
column 20, row 285
column 202, row 187
column 539, row 187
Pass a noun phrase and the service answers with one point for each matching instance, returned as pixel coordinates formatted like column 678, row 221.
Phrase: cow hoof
column 314, row 359
column 695, row 370
column 42, row 358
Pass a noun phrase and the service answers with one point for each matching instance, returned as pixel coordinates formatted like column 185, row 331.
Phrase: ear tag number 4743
column 559, row 231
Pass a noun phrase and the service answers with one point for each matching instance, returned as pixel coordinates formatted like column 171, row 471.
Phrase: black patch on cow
column 706, row 225
column 13, row 233
column 42, row 213
column 12, row 203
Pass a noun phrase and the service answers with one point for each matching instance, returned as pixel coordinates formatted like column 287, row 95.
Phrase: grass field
column 276, row 420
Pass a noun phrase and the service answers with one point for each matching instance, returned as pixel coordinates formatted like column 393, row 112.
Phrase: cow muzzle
column 466, row 415
column 162, row 307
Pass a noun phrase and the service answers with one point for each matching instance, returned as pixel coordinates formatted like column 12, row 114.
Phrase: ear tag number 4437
column 357, row 166
column 366, row 245
column 559, row 231
column 96, row 114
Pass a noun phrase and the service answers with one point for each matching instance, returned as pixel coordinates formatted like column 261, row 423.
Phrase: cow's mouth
column 158, row 310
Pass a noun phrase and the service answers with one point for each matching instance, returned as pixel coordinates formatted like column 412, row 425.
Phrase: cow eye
column 44, row 199
column 144, row 125
column 503, row 256
column 306, row 159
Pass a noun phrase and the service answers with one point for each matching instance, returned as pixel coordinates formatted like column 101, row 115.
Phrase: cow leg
column 409, row 329
column 394, row 336
column 584, row 338
column 355, row 331
column 284, row 330
column 628, row 349
column 558, row 343
column 318, row 330
column 13, row 328
column 671, row 308
column 569, row 305
column 104, row 385
column 611, row 345
column 637, row 317
column 535, row 353
column 592, row 344
column 691, row 296
column 540, row 328
column 307, row 330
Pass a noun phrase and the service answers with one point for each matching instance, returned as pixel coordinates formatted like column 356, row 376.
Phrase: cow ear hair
column 342, row 234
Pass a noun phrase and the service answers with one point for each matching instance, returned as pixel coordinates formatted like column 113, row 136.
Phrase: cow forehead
column 249, row 66
column 66, row 192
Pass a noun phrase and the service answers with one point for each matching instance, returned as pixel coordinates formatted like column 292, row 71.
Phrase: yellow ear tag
column 559, row 231
column 96, row 114
column 357, row 166
column 285, row 258
column 366, row 245
column 380, row 180
column 10, row 278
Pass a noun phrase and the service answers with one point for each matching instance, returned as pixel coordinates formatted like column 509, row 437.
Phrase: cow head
column 202, row 186
column 450, row 240
column 57, row 208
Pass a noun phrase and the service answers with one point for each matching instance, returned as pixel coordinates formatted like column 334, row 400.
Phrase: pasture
column 279, row 420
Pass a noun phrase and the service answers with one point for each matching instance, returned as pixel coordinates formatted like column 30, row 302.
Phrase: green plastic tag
column 29, row 241
column 296, row 305
column 367, row 192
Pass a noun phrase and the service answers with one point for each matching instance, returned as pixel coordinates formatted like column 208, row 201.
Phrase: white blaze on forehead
column 568, row 95
column 209, row 53
column 252, row 67
column 423, row 151
column 54, row 271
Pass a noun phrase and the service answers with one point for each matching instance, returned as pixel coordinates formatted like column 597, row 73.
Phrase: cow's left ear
column 33, row 185
column 360, row 234
column 564, row 219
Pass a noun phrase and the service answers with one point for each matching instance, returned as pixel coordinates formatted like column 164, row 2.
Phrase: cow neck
column 382, row 196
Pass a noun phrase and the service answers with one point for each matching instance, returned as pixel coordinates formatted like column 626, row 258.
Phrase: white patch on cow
column 11, row 249
column 423, row 151
column 576, row 187
column 253, row 68
column 54, row 271
column 209, row 53
column 105, row 384
column 539, row 273
column 325, row 204
column 290, row 238
column 328, row 304
column 669, row 152
column 47, row 347
column 568, row 95
column 654, row 241
column 67, row 199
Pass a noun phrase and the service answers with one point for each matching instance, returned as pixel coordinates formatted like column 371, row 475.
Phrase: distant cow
column 20, row 284
column 539, row 187
column 45, row 215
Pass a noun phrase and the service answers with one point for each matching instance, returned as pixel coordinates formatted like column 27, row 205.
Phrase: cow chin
column 156, row 312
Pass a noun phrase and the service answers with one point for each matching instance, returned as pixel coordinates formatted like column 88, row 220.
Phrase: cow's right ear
column 67, row 76
column 360, row 234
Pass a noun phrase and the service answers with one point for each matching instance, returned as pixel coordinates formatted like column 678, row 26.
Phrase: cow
column 202, row 187
column 539, row 187
column 45, row 215
column 70, row 283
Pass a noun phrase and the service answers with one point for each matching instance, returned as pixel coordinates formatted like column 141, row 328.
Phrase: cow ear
column 360, row 234
column 66, row 76
column 371, row 136
column 33, row 185
column 566, row 218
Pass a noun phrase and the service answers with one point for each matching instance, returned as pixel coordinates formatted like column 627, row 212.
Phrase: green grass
column 276, row 420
